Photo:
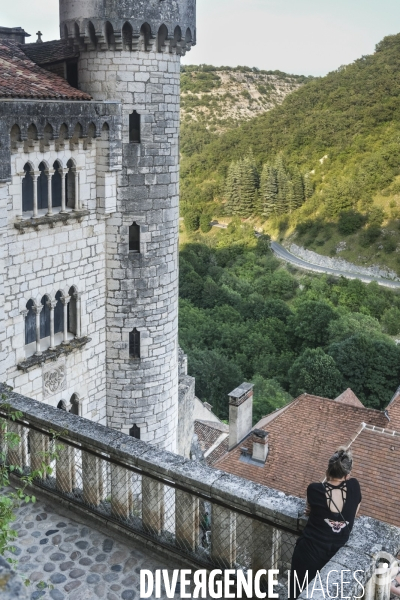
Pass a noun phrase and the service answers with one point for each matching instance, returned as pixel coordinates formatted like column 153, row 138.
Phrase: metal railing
column 211, row 518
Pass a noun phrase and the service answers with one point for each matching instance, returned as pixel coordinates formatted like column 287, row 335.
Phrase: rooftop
column 303, row 437
column 20, row 77
column 50, row 52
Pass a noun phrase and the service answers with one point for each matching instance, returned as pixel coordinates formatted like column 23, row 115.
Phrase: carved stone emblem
column 54, row 379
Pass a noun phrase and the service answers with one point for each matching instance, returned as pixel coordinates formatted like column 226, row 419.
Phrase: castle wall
column 142, row 288
column 47, row 259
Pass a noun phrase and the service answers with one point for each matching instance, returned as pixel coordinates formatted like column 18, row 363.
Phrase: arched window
column 109, row 34
column 15, row 136
column 127, row 35
column 45, row 318
column 134, row 238
column 32, row 132
column 91, row 131
column 42, row 187
column 161, row 38
column 75, row 406
column 134, row 127
column 135, row 431
column 27, row 189
column 30, row 324
column 72, row 312
column 62, row 405
column 47, row 134
column 56, row 182
column 70, row 185
column 59, row 314
column 134, row 344
column 145, row 31
column 92, row 33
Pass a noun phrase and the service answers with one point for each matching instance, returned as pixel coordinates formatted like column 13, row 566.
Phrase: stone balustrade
column 213, row 519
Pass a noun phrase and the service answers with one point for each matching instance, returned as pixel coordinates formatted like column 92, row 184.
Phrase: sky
column 309, row 37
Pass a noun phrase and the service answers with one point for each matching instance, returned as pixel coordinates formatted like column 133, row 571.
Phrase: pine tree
column 268, row 190
column 249, row 183
column 298, row 188
column 283, row 188
column 308, row 186
column 232, row 189
column 290, row 201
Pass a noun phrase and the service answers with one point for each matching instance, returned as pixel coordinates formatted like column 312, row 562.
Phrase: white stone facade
column 45, row 260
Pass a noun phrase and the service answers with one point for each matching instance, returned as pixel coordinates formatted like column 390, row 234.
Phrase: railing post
column 92, row 479
column 187, row 520
column 383, row 581
column 15, row 450
column 39, row 447
column 152, row 505
column 120, row 497
column 223, row 536
column 267, row 546
column 65, row 468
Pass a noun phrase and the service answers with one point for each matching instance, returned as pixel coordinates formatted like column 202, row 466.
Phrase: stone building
column 89, row 194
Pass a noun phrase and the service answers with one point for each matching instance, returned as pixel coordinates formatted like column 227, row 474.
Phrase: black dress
column 326, row 531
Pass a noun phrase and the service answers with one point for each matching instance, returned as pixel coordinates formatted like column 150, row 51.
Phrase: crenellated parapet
column 27, row 121
column 155, row 25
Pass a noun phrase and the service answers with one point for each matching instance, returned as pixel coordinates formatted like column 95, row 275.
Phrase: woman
column 332, row 507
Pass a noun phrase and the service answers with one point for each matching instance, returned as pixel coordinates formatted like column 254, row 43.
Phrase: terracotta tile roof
column 393, row 411
column 349, row 397
column 208, row 433
column 376, row 466
column 22, row 78
column 301, row 440
column 49, row 52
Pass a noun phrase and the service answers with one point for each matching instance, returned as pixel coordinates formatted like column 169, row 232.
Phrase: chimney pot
column 240, row 413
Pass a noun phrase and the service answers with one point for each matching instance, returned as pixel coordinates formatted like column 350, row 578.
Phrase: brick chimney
column 259, row 439
column 240, row 413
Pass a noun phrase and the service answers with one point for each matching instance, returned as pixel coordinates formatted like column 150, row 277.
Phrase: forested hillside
column 243, row 316
column 324, row 164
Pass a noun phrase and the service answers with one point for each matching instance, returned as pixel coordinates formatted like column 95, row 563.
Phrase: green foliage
column 314, row 372
column 239, row 303
column 369, row 366
column 268, row 396
column 192, row 220
column 281, row 190
column 391, row 320
column 369, row 236
column 350, row 221
column 241, row 187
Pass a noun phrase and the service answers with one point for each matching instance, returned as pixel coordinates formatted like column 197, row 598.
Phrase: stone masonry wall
column 142, row 287
column 46, row 260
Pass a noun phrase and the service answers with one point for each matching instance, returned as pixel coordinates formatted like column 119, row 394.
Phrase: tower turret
column 130, row 51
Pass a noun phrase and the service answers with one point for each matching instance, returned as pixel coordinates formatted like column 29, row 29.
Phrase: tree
column 216, row 376
column 248, row 184
column 232, row 189
column 391, row 321
column 308, row 186
column 268, row 396
column 298, row 188
column 370, row 366
column 205, row 220
column 314, row 372
column 269, row 190
column 192, row 220
column 309, row 325
column 352, row 323
column 282, row 180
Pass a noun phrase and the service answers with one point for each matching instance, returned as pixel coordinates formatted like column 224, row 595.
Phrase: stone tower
column 129, row 51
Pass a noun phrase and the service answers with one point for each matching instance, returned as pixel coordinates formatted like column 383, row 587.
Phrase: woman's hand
column 307, row 512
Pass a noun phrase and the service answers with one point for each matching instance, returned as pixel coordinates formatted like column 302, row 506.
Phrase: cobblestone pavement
column 65, row 560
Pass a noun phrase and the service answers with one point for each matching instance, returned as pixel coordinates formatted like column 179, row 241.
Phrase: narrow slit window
column 135, row 431
column 134, row 344
column 134, row 238
column 56, row 183
column 134, row 127
column 45, row 318
column 42, row 188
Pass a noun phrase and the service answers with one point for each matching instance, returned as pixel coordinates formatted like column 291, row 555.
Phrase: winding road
column 282, row 253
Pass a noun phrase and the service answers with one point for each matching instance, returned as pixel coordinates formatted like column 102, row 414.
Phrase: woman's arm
column 358, row 508
column 307, row 512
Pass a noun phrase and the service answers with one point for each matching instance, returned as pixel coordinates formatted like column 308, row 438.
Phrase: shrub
column 205, row 220
column 350, row 222
column 192, row 220
column 369, row 236
column 389, row 244
column 391, row 321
